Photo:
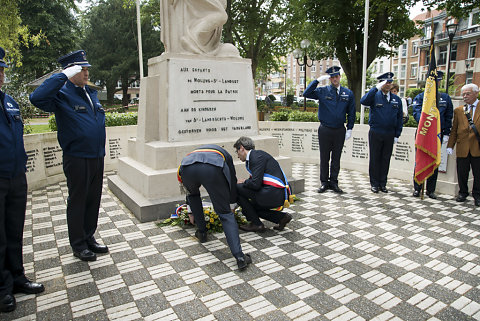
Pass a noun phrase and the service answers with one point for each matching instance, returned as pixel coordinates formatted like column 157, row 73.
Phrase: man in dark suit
column 212, row 167
column 386, row 123
column 335, row 103
column 445, row 108
column 13, row 201
column 265, row 192
column 465, row 135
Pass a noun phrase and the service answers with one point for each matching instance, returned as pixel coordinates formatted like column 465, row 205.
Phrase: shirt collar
column 248, row 156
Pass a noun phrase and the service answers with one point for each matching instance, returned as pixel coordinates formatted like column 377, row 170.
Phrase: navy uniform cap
column 439, row 75
column 2, row 62
column 388, row 76
column 333, row 71
column 78, row 57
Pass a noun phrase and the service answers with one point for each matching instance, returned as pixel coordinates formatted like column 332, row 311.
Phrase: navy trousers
column 84, row 182
column 13, row 200
column 212, row 178
column 330, row 141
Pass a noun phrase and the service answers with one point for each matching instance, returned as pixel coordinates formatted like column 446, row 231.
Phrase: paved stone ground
column 356, row 256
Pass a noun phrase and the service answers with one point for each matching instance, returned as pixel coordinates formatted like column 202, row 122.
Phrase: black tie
column 336, row 93
column 246, row 165
column 386, row 97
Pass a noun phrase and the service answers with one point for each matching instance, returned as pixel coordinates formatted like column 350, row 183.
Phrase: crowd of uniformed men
column 81, row 134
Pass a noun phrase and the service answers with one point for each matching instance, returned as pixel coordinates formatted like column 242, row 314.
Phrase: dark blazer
column 462, row 135
column 215, row 159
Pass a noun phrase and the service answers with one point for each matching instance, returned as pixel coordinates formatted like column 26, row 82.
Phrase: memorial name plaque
column 32, row 155
column 114, row 148
column 359, row 148
column 52, row 156
column 210, row 100
column 402, row 152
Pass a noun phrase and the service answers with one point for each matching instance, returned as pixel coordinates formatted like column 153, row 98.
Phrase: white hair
column 472, row 87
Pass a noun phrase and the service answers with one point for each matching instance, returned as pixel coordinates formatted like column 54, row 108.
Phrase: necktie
column 336, row 93
column 246, row 165
column 386, row 97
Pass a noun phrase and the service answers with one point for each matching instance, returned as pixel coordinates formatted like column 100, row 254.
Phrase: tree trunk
column 110, row 85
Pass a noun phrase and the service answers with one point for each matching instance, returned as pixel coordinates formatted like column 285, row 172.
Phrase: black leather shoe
column 336, row 189
column 384, row 189
column 243, row 262
column 8, row 303
column 85, row 255
column 477, row 202
column 97, row 248
column 28, row 287
column 374, row 189
column 432, row 195
column 252, row 228
column 416, row 193
column 322, row 188
column 284, row 221
column 201, row 236
column 461, row 198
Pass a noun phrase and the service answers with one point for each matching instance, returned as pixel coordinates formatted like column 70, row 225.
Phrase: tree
column 456, row 8
column 55, row 21
column 336, row 30
column 111, row 43
column 262, row 30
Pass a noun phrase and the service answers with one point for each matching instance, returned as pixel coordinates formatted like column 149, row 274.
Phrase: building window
column 442, row 58
column 403, row 69
column 395, row 70
column 472, row 47
column 381, row 67
column 402, row 91
column 321, row 68
column 302, row 68
column 302, row 79
column 469, row 76
column 414, row 48
column 413, row 70
column 404, row 50
column 374, row 68
column 453, row 53
column 474, row 19
column 428, row 31
column 427, row 57
column 313, row 68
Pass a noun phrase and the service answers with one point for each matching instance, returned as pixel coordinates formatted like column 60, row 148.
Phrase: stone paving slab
column 356, row 256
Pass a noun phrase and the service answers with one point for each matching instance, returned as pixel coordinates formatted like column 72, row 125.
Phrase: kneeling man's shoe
column 252, row 228
column 374, row 189
column 28, row 287
column 97, row 248
column 284, row 221
column 201, row 236
column 85, row 255
column 244, row 261
column 432, row 195
column 322, row 188
column 416, row 193
column 461, row 198
column 8, row 303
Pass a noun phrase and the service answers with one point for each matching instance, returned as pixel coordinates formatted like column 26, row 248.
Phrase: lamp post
column 285, row 76
column 451, row 29
column 297, row 53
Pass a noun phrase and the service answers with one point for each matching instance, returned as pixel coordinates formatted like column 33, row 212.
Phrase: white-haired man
column 465, row 134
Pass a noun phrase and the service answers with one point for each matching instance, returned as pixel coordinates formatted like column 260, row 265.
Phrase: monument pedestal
column 185, row 102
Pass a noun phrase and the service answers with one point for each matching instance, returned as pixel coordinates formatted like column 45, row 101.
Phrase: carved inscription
column 52, row 156
column 114, row 147
column 359, row 148
column 402, row 152
column 32, row 159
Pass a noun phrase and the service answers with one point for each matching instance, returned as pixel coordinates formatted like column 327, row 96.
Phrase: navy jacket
column 13, row 159
column 386, row 117
column 218, row 160
column 81, row 129
column 445, row 107
column 332, row 112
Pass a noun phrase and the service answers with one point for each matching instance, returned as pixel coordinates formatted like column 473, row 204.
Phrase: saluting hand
column 72, row 71
column 381, row 84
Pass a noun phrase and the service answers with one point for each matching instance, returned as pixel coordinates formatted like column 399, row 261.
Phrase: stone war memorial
column 199, row 91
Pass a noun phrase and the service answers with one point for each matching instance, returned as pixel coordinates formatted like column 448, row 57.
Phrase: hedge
column 111, row 120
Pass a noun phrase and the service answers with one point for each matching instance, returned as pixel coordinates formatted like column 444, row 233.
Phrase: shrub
column 413, row 92
column 302, row 116
column 111, row 120
column 289, row 100
column 281, row 115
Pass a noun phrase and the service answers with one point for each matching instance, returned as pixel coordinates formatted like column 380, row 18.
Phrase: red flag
column 428, row 142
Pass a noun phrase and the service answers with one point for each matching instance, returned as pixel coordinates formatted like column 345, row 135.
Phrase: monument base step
column 146, row 210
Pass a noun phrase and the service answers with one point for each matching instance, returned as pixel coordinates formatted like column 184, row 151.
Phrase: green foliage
column 262, row 30
column 411, row 122
column 413, row 92
column 288, row 114
column 289, row 100
column 365, row 118
column 111, row 120
column 272, row 97
column 16, row 88
column 456, row 8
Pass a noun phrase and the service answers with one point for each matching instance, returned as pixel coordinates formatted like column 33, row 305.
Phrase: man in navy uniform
column 386, row 123
column 212, row 167
column 13, row 201
column 335, row 103
column 445, row 107
column 81, row 134
column 263, row 194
